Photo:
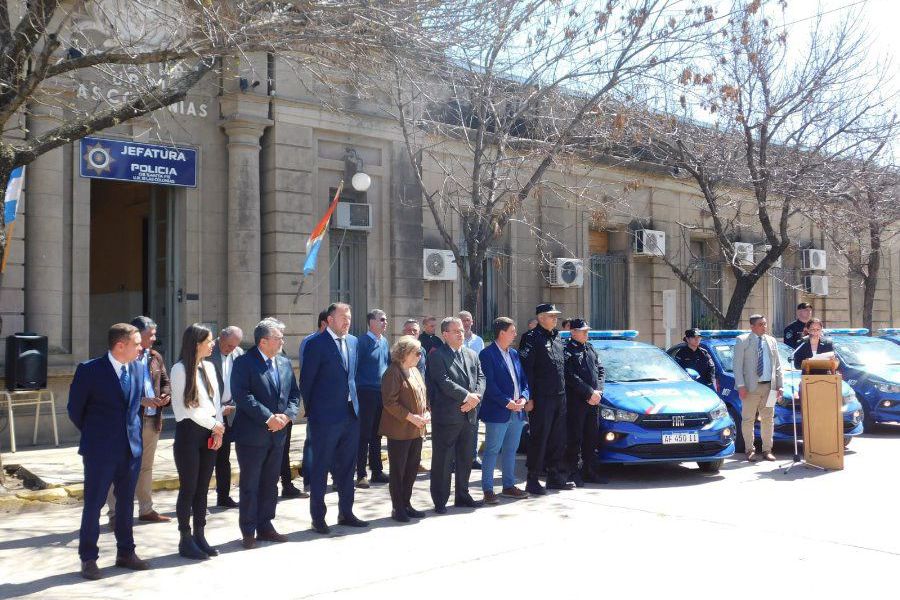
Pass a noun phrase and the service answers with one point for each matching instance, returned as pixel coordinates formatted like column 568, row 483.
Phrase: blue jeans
column 501, row 439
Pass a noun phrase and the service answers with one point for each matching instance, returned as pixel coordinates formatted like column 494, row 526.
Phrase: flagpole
column 9, row 237
column 337, row 196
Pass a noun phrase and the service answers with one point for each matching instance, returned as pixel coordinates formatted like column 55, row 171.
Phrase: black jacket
column 699, row 360
column 584, row 373
column 448, row 380
column 804, row 350
column 793, row 334
column 544, row 361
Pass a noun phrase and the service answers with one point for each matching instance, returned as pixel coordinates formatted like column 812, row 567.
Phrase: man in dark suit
column 105, row 405
column 328, row 385
column 267, row 398
column 455, row 383
column 227, row 349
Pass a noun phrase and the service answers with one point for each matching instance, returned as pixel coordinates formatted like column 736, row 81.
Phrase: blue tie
column 125, row 382
column 271, row 365
column 759, row 357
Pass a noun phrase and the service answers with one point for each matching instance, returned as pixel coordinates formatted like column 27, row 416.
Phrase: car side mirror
column 694, row 374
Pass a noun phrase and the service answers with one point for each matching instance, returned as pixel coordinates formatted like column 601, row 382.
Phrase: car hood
column 888, row 373
column 792, row 380
column 661, row 397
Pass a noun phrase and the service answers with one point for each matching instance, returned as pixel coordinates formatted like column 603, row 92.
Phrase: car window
column 861, row 351
column 639, row 363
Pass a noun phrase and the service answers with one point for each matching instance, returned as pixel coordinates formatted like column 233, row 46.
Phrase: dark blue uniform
column 543, row 360
column 584, row 374
column 699, row 360
column 793, row 334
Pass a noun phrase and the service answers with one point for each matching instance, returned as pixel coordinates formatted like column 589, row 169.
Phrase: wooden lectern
column 823, row 423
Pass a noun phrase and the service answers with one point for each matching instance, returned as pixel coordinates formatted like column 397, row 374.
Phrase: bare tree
column 762, row 122
column 486, row 122
column 152, row 52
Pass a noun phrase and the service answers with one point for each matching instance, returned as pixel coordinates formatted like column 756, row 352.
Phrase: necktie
column 270, row 363
column 125, row 382
column 759, row 357
column 340, row 341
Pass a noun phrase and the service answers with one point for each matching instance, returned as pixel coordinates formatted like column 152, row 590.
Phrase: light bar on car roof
column 889, row 330
column 612, row 334
column 848, row 331
column 722, row 333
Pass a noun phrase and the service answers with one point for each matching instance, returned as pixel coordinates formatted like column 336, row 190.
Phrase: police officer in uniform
column 584, row 388
column 694, row 356
column 543, row 358
column 796, row 331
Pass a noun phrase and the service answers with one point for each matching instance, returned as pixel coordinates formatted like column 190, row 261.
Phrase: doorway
column 133, row 270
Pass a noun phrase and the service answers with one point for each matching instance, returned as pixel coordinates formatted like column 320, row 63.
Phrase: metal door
column 348, row 275
column 161, row 292
column 609, row 291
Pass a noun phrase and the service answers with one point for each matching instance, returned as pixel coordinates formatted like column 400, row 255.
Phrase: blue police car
column 652, row 411
column 890, row 333
column 720, row 344
column 871, row 365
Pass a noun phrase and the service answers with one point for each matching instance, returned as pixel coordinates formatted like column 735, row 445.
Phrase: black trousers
column 286, row 474
column 370, row 408
column 451, row 442
column 194, row 461
column 547, row 436
column 403, row 460
column 582, row 435
column 223, row 467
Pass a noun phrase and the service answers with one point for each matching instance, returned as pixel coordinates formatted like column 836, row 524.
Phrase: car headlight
column 848, row 398
column 615, row 414
column 888, row 388
column 719, row 412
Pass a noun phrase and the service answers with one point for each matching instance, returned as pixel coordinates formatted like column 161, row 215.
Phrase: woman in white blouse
column 198, row 434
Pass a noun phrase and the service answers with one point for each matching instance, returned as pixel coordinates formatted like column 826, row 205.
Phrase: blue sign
column 143, row 163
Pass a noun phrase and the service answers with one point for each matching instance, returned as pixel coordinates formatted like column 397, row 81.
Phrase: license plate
column 682, row 437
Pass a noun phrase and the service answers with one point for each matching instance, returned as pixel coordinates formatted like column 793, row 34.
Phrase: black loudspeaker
column 26, row 361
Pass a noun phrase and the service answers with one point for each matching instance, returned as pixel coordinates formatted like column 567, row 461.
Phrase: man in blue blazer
column 267, row 398
column 105, row 405
column 328, row 385
column 502, row 410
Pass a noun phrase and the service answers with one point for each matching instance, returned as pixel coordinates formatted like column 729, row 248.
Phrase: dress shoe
column 188, row 548
column 752, row 457
column 533, row 486
column 415, row 514
column 362, row 483
column 154, row 517
column 89, row 570
column 769, row 456
column 132, row 562
column 248, row 542
column 271, row 536
column 200, row 540
column 379, row 477
column 513, row 492
column 321, row 527
column 421, row 469
column 352, row 521
column 226, row 502
column 491, row 498
column 476, row 465
column 577, row 479
column 558, row 483
column 400, row 516
column 290, row 491
column 468, row 502
column 441, row 510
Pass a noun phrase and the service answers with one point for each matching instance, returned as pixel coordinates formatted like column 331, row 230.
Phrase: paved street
column 663, row 531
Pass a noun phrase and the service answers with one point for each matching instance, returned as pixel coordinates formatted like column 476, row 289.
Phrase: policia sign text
column 144, row 163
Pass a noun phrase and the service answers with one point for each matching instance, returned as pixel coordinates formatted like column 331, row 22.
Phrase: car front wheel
column 711, row 466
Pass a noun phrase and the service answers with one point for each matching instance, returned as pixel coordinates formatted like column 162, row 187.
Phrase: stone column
column 244, row 237
column 45, row 235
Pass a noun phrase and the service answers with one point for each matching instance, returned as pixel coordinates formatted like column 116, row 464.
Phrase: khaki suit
column 745, row 363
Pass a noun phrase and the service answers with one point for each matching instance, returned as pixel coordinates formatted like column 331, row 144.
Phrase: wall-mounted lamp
column 360, row 180
column 245, row 84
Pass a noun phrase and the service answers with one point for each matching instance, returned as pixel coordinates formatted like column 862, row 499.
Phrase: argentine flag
column 13, row 194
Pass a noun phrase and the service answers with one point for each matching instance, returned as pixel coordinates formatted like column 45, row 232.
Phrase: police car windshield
column 623, row 364
column 725, row 351
column 867, row 351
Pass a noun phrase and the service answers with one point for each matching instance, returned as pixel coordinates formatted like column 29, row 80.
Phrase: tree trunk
column 739, row 296
column 472, row 283
column 870, row 281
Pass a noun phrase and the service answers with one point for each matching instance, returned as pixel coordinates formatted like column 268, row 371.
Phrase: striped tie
column 759, row 357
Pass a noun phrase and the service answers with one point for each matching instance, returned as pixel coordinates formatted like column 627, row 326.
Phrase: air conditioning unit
column 743, row 253
column 813, row 260
column 648, row 242
column 438, row 265
column 353, row 215
column 567, row 272
column 817, row 285
column 778, row 263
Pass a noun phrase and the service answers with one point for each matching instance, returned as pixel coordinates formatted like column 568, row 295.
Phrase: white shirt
column 507, row 358
column 116, row 365
column 227, row 363
column 342, row 348
column 474, row 343
column 208, row 411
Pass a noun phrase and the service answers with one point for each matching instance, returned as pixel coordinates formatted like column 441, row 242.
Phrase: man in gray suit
column 455, row 383
column 226, row 350
column 757, row 372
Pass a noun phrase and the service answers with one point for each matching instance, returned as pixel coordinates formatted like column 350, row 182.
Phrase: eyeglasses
column 383, row 319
